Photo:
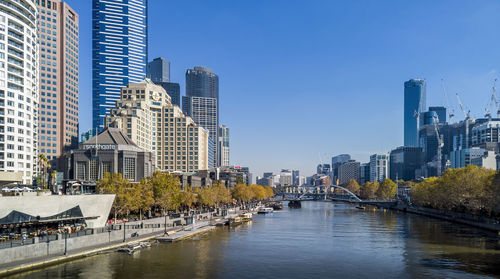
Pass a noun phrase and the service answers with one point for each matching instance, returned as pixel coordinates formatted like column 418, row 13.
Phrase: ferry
column 265, row 210
column 235, row 221
column 276, row 205
column 294, row 204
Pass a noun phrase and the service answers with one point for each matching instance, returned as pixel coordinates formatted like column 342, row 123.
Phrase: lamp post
column 65, row 242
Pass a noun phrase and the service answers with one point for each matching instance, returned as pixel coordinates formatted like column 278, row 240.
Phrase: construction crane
column 494, row 97
column 440, row 146
column 417, row 112
column 466, row 114
column 451, row 112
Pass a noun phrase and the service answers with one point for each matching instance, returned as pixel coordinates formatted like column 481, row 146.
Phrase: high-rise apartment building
column 379, row 167
column 347, row 171
column 59, row 53
column 119, row 51
column 223, row 146
column 414, row 103
column 146, row 115
column 202, row 100
column 158, row 70
column 19, row 90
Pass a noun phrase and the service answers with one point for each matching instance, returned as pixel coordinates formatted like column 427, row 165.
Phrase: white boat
column 132, row 247
column 265, row 210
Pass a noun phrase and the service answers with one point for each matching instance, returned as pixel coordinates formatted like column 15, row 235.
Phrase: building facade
column 464, row 157
column 364, row 173
column 19, row 91
column 404, row 162
column 158, row 70
column 441, row 113
column 202, row 100
column 286, row 178
column 59, row 78
column 414, row 102
column 119, row 51
column 109, row 152
column 379, row 167
column 223, row 143
column 146, row 115
column 348, row 171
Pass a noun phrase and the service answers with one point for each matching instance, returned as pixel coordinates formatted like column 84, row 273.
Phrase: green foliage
column 353, row 186
column 242, row 193
column 387, row 190
column 470, row 189
column 368, row 190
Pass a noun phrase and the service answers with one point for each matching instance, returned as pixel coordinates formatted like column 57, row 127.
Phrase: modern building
column 246, row 171
column 404, row 162
column 323, row 169
column 336, row 162
column 364, row 173
column 173, row 90
column 111, row 151
column 230, row 176
column 86, row 136
column 265, row 181
column 488, row 160
column 59, row 78
column 348, row 171
column 441, row 113
column 158, row 70
column 414, row 103
column 295, row 177
column 286, row 178
column 428, row 118
column 486, row 132
column 202, row 100
column 145, row 114
column 464, row 157
column 379, row 167
column 19, row 90
column 119, row 51
column 223, row 146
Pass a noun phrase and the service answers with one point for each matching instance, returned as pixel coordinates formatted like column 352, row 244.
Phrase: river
column 320, row 240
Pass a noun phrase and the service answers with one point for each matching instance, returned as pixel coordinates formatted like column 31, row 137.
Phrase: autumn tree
column 387, row 190
column 258, row 192
column 353, row 186
column 144, row 196
column 241, row 192
column 368, row 190
column 115, row 184
column 189, row 196
column 166, row 191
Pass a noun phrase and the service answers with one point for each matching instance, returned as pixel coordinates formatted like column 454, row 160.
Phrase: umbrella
column 16, row 189
column 27, row 189
column 6, row 189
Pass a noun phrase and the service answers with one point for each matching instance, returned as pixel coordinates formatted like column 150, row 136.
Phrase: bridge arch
column 347, row 191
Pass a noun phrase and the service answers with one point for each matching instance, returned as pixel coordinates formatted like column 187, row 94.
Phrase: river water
column 320, row 240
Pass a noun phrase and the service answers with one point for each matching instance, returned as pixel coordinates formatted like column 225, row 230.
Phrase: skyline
column 263, row 108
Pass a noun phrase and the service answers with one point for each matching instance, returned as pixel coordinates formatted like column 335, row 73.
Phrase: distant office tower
column 58, row 106
column 348, row 171
column 323, row 169
column 158, row 70
column 86, row 136
column 19, row 91
column 223, row 146
column 379, row 167
column 119, row 51
column 441, row 113
column 336, row 162
column 146, row 116
column 428, row 118
column 295, row 177
column 173, row 90
column 404, row 162
column 364, row 173
column 414, row 102
column 202, row 100
column 286, row 178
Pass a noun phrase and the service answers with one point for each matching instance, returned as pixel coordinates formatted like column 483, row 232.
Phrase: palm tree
column 44, row 165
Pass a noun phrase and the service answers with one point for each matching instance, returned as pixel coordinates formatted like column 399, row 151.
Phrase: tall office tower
column 223, row 146
column 58, row 107
column 441, row 113
column 158, row 70
column 19, row 91
column 414, row 103
column 202, row 100
column 295, row 177
column 379, row 167
column 146, row 115
column 119, row 51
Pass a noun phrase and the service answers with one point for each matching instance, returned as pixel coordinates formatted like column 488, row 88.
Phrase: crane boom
column 451, row 112
column 466, row 114
column 440, row 146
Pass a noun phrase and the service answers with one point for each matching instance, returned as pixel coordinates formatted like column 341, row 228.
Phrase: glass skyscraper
column 202, row 101
column 158, row 70
column 414, row 101
column 119, row 51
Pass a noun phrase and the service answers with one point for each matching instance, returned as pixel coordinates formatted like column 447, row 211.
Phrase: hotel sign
column 100, row 146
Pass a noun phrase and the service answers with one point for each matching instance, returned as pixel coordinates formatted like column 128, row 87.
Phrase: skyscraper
column 119, row 51
column 223, row 146
column 202, row 100
column 441, row 113
column 19, row 90
column 58, row 107
column 158, row 70
column 414, row 103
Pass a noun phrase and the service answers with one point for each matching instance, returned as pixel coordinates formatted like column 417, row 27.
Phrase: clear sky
column 304, row 80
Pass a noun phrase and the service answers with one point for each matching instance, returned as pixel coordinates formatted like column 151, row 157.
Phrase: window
column 80, row 170
column 129, row 168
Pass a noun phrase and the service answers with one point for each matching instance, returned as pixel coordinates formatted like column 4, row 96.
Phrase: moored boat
column 131, row 248
column 294, row 204
column 246, row 217
column 265, row 210
column 235, row 221
column 276, row 205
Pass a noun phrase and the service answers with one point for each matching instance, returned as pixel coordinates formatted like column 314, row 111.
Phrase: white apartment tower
column 379, row 167
column 18, row 90
column 146, row 115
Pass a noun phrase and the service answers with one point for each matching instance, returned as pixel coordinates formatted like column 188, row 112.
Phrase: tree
column 143, row 195
column 115, row 184
column 166, row 191
column 44, row 166
column 368, row 190
column 222, row 194
column 269, row 191
column 189, row 197
column 242, row 193
column 208, row 196
column 258, row 192
column 387, row 190
column 353, row 186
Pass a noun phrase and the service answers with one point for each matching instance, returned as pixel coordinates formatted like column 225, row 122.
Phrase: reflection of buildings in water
column 433, row 244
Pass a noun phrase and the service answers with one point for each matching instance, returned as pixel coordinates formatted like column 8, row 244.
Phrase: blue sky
column 304, row 80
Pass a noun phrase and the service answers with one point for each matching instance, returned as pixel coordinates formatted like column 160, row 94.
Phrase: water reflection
column 320, row 240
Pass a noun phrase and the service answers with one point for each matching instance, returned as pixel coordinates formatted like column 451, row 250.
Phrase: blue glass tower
column 415, row 96
column 119, row 51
